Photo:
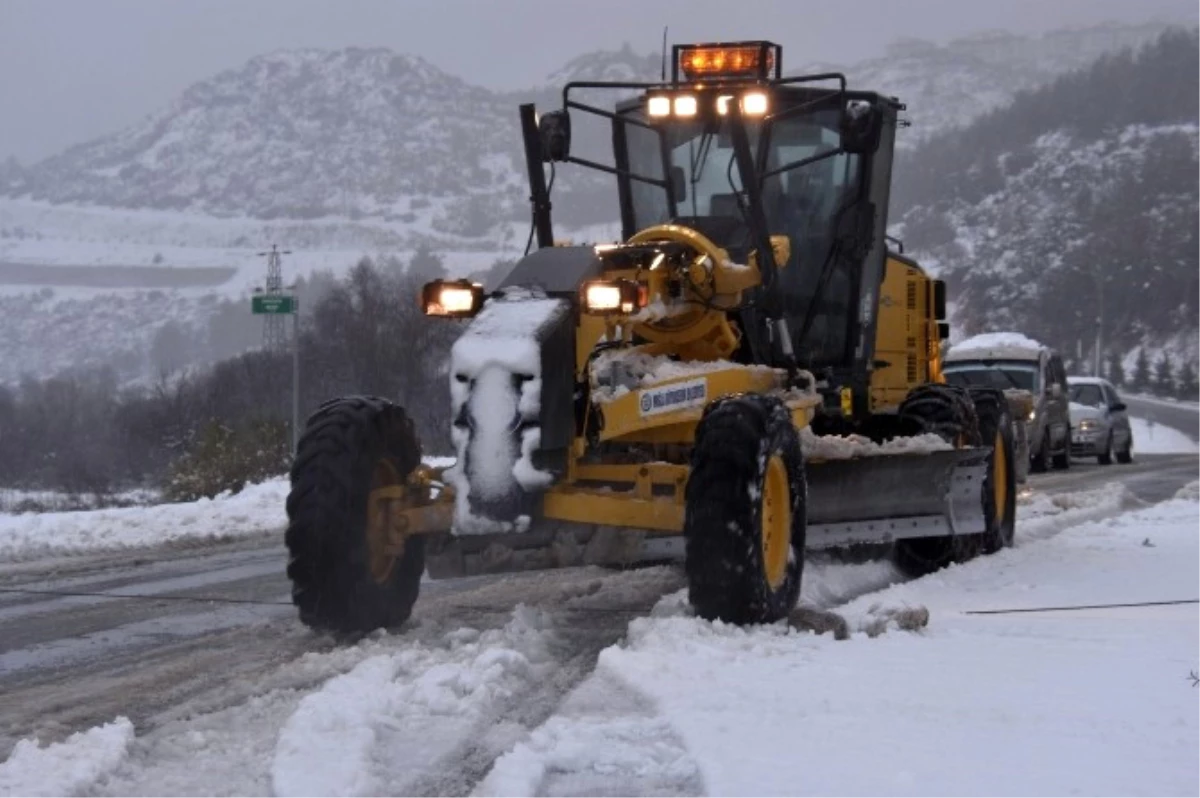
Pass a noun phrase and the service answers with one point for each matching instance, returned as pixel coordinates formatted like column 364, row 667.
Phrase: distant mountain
column 1075, row 205
column 299, row 134
column 366, row 151
column 367, row 133
column 947, row 86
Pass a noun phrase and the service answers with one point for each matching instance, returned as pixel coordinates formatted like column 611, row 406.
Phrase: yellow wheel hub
column 776, row 522
column 381, row 550
column 1000, row 477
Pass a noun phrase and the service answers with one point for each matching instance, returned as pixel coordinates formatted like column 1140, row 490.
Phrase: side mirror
column 1117, row 407
column 943, row 330
column 554, row 129
column 860, row 127
column 678, row 184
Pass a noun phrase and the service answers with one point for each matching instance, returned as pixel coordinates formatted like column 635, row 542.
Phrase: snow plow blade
column 878, row 499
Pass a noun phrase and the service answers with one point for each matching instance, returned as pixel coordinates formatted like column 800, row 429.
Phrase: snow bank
column 1040, row 515
column 847, row 447
column 1151, row 438
column 616, row 372
column 605, row 740
column 256, row 510
column 1062, row 702
column 424, row 698
column 68, row 767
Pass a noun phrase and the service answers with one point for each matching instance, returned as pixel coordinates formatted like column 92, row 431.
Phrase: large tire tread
column 991, row 409
column 947, row 411
column 327, row 508
column 724, row 561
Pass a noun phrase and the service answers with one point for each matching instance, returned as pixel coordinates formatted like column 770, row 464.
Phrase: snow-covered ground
column 1053, row 701
column 16, row 500
column 69, row 767
column 1093, row 702
column 256, row 510
column 1150, row 438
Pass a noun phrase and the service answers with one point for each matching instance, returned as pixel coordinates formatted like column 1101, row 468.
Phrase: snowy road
column 229, row 694
column 1182, row 416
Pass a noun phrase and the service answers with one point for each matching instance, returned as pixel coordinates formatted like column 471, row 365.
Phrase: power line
column 1082, row 607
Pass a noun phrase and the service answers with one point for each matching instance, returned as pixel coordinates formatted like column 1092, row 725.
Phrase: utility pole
column 274, row 332
column 1099, row 322
column 296, row 376
column 274, row 304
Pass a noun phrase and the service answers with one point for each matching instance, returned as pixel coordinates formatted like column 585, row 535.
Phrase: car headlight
column 1088, row 424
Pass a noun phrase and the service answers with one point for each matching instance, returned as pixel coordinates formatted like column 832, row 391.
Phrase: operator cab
column 735, row 151
column 820, row 158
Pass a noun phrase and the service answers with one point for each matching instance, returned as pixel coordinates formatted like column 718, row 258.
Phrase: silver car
column 1099, row 423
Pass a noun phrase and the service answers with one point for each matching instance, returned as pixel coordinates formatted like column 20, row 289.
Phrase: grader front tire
column 344, row 579
column 746, row 517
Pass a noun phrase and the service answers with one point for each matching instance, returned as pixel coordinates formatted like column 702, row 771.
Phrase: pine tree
column 1116, row 371
column 1186, row 384
column 1164, row 376
column 1141, row 373
column 425, row 265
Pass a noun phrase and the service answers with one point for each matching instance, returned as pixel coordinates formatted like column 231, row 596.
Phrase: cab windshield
column 802, row 201
column 1021, row 376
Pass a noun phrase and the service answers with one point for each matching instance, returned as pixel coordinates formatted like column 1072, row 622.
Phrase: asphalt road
column 1180, row 416
column 196, row 631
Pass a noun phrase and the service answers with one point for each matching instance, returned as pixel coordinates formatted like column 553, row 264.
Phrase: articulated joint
column 423, row 505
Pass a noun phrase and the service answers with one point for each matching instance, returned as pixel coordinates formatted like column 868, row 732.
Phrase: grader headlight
column 658, row 106
column 604, row 297
column 456, row 299
column 754, row 103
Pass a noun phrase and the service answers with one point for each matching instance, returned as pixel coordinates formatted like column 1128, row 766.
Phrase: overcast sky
column 71, row 70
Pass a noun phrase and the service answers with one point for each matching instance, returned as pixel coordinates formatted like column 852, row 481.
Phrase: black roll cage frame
column 767, row 306
column 751, row 166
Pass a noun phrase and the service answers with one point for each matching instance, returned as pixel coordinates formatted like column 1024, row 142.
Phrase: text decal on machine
column 678, row 396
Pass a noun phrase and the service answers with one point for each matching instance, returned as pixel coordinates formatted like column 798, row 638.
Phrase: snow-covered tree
column 1164, row 376
column 1185, row 384
column 1141, row 372
column 1115, row 371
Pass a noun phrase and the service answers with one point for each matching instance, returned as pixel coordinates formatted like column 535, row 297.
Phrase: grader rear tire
column 944, row 410
column 745, row 518
column 999, row 494
column 342, row 580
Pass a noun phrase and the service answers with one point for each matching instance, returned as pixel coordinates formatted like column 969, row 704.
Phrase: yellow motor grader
column 750, row 373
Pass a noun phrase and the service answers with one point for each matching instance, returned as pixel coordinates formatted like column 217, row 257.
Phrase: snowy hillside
column 948, row 86
column 361, row 133
column 1076, row 203
column 298, row 134
column 360, row 151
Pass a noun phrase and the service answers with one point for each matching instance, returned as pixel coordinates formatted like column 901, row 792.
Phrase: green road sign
column 273, row 304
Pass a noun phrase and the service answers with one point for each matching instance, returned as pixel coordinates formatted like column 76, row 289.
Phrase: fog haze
column 71, row 70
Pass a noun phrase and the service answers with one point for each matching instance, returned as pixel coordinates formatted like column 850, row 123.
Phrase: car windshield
column 1087, row 395
column 1007, row 375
